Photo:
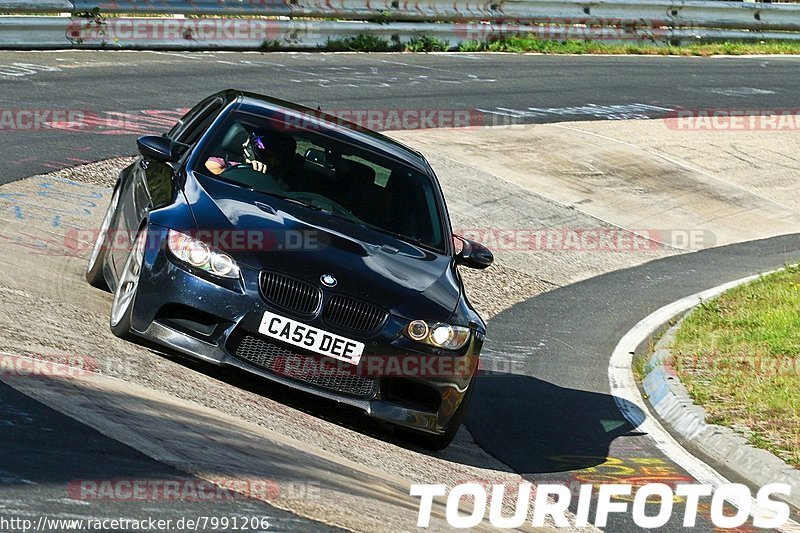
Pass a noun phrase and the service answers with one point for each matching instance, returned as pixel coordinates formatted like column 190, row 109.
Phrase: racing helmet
column 262, row 145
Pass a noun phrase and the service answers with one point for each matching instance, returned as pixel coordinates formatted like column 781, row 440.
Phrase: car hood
column 273, row 234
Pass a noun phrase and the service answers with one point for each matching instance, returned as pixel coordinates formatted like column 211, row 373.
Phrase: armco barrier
column 691, row 13
column 240, row 34
column 34, row 32
column 308, row 24
column 44, row 6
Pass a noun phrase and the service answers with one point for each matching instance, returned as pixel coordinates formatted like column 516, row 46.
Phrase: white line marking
column 626, row 393
column 10, row 478
column 17, row 70
column 185, row 56
column 402, row 64
column 740, row 91
column 69, row 501
column 610, row 112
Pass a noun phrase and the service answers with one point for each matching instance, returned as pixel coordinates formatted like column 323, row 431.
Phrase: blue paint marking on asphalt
column 91, row 194
column 85, row 201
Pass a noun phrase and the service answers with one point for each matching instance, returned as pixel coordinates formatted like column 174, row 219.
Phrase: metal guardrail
column 455, row 21
column 61, row 32
column 44, row 6
column 676, row 13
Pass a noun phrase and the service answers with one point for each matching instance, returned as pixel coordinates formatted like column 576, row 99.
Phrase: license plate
column 310, row 338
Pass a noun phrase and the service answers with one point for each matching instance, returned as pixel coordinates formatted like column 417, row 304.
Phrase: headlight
column 200, row 255
column 418, row 330
column 439, row 335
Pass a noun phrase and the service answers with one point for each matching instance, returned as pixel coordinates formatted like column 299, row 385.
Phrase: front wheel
column 440, row 442
column 124, row 296
column 94, row 268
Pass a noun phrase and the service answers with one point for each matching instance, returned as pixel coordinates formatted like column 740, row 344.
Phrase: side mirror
column 157, row 148
column 474, row 254
column 315, row 156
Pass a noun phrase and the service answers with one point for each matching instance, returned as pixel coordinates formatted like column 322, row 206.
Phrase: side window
column 381, row 173
column 189, row 128
column 178, row 128
column 199, row 126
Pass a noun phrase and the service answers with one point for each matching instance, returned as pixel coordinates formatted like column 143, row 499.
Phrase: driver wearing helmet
column 264, row 150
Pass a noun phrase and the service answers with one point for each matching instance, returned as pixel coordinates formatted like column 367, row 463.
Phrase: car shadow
column 328, row 410
column 536, row 427
column 52, row 465
column 528, row 424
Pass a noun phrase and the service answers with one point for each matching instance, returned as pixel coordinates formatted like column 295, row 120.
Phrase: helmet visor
column 254, row 148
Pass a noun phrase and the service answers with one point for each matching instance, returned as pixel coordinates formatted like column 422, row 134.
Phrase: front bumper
column 187, row 312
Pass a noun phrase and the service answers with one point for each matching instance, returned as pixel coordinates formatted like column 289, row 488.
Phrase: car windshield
column 308, row 167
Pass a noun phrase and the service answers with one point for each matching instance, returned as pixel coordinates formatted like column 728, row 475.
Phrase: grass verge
column 532, row 44
column 368, row 43
column 739, row 357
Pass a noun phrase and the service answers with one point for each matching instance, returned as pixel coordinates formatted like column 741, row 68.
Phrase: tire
column 125, row 294
column 440, row 442
column 97, row 259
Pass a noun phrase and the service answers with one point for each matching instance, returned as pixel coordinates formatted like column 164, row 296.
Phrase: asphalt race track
column 560, row 88
column 547, row 427
column 553, row 419
column 44, row 451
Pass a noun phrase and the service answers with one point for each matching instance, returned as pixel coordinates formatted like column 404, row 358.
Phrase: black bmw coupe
column 304, row 249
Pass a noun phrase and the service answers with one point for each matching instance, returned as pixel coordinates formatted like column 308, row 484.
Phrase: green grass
column 427, row 43
column 360, row 43
column 369, row 43
column 534, row 45
column 739, row 357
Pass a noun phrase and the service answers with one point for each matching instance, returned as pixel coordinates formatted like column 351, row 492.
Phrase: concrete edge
column 624, row 388
column 671, row 401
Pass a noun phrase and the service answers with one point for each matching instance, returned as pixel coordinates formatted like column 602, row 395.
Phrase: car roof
column 335, row 127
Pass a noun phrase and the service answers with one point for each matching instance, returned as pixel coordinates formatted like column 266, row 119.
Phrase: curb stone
column 671, row 401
